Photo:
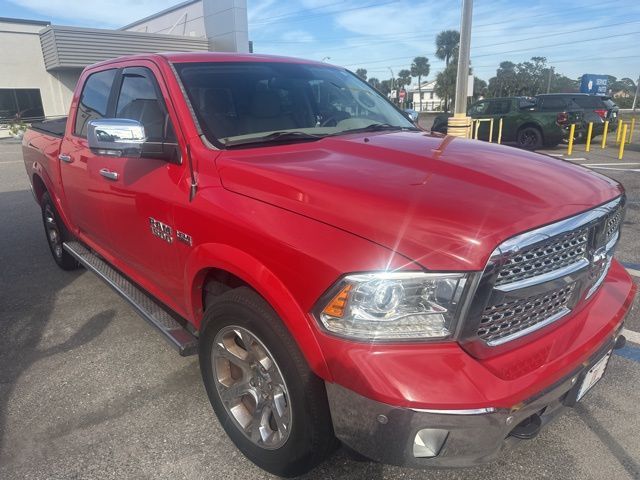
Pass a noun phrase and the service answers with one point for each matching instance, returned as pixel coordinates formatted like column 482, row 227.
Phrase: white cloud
column 297, row 36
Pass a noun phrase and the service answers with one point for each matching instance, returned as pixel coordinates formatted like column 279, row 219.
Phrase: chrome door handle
column 65, row 158
column 109, row 174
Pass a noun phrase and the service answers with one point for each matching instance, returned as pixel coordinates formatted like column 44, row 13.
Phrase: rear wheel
column 268, row 401
column 529, row 138
column 57, row 234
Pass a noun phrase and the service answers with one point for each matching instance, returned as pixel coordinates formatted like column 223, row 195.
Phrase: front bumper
column 463, row 438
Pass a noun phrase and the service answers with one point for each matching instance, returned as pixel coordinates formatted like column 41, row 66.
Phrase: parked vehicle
column 594, row 108
column 613, row 111
column 412, row 114
column 340, row 273
column 524, row 124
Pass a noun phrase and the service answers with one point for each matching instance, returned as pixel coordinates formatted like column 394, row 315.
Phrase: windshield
column 248, row 102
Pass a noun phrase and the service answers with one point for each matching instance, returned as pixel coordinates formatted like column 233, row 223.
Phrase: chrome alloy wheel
column 251, row 387
column 53, row 232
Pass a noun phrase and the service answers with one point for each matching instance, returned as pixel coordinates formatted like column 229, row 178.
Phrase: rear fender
column 255, row 274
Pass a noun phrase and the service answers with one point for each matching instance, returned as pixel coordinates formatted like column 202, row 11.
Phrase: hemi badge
column 184, row 238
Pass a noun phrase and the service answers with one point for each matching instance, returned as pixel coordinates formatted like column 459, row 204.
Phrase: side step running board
column 147, row 307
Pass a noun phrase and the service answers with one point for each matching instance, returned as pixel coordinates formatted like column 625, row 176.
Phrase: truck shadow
column 29, row 285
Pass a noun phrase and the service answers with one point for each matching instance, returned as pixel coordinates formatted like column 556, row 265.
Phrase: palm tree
column 362, row 73
column 374, row 82
column 447, row 44
column 420, row 68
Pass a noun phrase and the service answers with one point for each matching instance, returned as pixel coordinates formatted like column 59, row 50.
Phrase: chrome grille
column 538, row 277
column 505, row 320
column 560, row 252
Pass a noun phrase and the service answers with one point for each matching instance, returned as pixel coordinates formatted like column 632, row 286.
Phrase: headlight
column 394, row 305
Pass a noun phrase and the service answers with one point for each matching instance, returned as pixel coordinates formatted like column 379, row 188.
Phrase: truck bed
column 54, row 127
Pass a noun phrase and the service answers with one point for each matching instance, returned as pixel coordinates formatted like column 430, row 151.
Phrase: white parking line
column 615, row 164
column 617, row 169
column 631, row 335
column 12, row 161
column 635, row 273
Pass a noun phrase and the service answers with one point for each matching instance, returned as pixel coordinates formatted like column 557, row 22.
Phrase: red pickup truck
column 342, row 274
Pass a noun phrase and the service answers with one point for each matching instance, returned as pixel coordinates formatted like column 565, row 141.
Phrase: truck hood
column 443, row 202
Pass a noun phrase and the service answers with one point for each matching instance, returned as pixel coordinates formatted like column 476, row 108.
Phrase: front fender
column 253, row 272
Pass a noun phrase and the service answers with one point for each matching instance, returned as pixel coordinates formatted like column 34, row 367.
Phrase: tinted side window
column 478, row 108
column 552, row 104
column 93, row 100
column 138, row 100
column 588, row 102
column 499, row 107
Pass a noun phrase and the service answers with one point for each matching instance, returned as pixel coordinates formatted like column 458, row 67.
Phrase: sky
column 576, row 37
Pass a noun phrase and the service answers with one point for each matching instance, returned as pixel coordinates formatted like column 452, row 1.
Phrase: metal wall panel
column 75, row 47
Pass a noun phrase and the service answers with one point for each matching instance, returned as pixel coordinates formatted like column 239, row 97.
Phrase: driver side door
column 141, row 192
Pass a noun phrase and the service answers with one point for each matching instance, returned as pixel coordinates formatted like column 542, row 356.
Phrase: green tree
column 479, row 88
column 362, row 73
column 505, row 82
column 445, row 86
column 447, row 45
column 420, row 68
column 374, row 82
column 385, row 86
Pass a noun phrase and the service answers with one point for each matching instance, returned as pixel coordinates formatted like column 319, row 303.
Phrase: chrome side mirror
column 116, row 137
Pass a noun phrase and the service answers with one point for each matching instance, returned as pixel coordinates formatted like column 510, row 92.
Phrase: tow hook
column 528, row 428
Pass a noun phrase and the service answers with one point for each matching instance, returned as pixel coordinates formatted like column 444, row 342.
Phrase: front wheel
column 529, row 138
column 270, row 404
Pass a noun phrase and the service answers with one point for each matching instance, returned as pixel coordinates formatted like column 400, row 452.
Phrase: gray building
column 41, row 63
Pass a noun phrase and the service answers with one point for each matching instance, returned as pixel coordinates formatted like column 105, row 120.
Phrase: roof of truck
column 195, row 57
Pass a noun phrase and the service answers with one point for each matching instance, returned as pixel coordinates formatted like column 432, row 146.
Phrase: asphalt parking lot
column 88, row 390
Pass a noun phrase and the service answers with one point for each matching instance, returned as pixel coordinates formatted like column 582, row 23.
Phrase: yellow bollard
column 620, row 123
column 491, row 130
column 589, row 132
column 633, row 125
column 624, row 135
column 572, row 131
column 500, row 132
column 604, row 134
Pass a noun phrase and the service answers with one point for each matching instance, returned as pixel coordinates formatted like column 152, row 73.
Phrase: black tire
column 529, row 138
column 309, row 438
column 56, row 233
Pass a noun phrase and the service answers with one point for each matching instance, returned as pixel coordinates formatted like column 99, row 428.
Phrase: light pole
column 549, row 79
column 459, row 123
column 393, row 80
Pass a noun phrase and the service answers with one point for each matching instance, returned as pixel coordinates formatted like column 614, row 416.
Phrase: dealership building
column 41, row 63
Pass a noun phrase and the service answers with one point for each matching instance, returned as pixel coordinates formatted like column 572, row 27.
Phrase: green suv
column 523, row 122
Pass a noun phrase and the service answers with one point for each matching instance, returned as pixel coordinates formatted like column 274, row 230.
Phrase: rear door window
column 552, row 104
column 499, row 107
column 94, row 100
column 588, row 102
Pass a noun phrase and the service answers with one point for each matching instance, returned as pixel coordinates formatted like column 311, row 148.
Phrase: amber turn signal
column 335, row 308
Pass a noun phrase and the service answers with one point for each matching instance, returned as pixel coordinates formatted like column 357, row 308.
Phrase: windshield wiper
column 283, row 136
column 379, row 127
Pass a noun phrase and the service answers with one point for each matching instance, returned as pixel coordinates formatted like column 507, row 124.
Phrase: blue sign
column 593, row 84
